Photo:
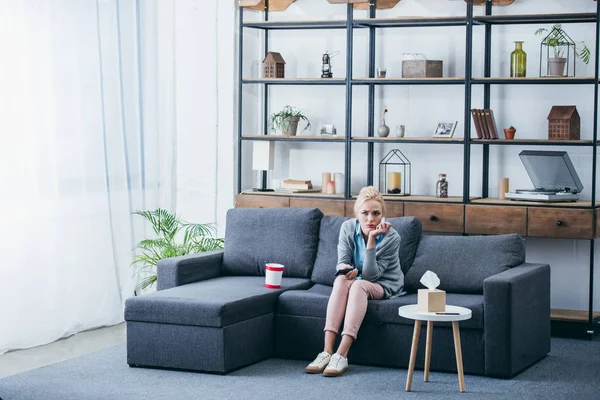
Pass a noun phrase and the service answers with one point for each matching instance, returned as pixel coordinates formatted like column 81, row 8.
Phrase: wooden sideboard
column 481, row 216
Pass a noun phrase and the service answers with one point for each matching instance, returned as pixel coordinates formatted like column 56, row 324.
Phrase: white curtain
column 86, row 137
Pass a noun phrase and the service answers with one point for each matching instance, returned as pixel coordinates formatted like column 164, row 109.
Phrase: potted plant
column 559, row 41
column 509, row 132
column 168, row 242
column 287, row 120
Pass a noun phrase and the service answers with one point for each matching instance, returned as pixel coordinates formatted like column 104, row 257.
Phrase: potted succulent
column 559, row 41
column 509, row 132
column 287, row 120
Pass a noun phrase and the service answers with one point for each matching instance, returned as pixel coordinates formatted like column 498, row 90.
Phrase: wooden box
column 422, row 68
column 431, row 300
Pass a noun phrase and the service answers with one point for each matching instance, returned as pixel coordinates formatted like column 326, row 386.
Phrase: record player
column 553, row 176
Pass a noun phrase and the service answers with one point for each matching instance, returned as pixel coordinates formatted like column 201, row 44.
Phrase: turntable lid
column 551, row 170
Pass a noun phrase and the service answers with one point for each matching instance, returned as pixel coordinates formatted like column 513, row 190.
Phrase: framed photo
column 445, row 129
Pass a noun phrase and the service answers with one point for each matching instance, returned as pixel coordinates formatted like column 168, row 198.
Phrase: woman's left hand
column 381, row 229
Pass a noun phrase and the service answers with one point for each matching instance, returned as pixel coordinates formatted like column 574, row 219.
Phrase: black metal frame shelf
column 295, row 81
column 306, row 138
column 408, row 81
column 292, row 25
column 401, row 22
column 418, row 140
column 534, row 81
column 469, row 22
column 532, row 142
column 568, row 18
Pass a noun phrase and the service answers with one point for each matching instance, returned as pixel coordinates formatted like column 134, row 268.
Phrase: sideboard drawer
column 328, row 207
column 495, row 219
column 437, row 217
column 560, row 223
column 259, row 201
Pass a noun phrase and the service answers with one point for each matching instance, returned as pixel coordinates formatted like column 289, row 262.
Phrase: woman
column 369, row 268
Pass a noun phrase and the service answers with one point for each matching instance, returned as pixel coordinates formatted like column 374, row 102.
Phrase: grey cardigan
column 381, row 264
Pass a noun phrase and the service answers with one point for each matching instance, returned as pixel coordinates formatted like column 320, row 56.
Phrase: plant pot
column 509, row 134
column 556, row 66
column 289, row 126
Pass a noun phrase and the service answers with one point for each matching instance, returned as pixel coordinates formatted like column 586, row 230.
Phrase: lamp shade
column 263, row 155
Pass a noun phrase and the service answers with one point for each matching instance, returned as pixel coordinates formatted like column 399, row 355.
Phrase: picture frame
column 445, row 129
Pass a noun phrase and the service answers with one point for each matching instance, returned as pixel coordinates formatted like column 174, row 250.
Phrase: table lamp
column 263, row 160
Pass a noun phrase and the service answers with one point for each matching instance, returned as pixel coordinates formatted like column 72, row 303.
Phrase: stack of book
column 485, row 124
column 296, row 186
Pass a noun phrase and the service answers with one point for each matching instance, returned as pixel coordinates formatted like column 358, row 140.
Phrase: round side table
column 453, row 314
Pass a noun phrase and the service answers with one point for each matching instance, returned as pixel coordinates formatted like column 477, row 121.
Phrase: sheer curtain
column 86, row 137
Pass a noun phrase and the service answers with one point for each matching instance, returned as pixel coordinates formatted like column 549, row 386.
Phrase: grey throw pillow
column 256, row 236
column 463, row 262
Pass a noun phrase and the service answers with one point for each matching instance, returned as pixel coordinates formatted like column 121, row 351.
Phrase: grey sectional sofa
column 212, row 312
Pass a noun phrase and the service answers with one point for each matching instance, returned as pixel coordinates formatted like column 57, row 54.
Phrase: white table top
column 412, row 312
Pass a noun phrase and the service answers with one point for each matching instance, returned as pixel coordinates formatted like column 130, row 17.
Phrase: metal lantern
column 326, row 68
column 559, row 51
column 394, row 174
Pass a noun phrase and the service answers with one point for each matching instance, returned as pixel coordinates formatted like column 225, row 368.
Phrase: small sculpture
column 383, row 130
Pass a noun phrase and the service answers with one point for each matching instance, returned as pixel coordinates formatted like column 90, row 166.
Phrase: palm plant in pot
column 287, row 120
column 560, row 43
column 173, row 237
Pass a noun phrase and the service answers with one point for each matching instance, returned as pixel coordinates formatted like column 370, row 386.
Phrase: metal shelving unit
column 469, row 21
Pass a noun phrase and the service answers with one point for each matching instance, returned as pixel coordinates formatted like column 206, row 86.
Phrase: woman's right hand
column 352, row 274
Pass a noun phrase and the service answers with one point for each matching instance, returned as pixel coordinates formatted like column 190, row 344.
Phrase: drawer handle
column 559, row 223
column 433, row 218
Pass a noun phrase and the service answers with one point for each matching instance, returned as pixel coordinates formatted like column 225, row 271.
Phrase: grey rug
column 571, row 370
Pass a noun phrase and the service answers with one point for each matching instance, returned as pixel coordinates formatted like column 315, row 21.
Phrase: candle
column 326, row 177
column 393, row 182
column 503, row 188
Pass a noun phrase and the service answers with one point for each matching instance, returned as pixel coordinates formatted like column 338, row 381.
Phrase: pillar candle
column 503, row 188
column 324, row 181
column 393, row 180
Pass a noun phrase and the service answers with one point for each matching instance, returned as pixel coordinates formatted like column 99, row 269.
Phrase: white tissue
column 430, row 280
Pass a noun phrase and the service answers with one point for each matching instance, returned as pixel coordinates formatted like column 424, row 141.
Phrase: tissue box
column 431, row 300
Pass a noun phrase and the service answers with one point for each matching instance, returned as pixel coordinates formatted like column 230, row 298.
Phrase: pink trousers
column 348, row 302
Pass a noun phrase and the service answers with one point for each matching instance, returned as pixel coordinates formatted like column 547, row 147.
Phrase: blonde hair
column 368, row 193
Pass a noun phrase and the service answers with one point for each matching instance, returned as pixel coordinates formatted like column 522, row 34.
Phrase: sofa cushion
column 387, row 310
column 410, row 232
column 327, row 256
column 463, row 262
column 256, row 236
column 215, row 302
column 313, row 303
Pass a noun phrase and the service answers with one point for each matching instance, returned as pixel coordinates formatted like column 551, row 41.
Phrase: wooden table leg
column 413, row 354
column 428, row 351
column 458, row 351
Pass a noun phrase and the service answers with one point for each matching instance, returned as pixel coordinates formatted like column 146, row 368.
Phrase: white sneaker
column 337, row 366
column 317, row 366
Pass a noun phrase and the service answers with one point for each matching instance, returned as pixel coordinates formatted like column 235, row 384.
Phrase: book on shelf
column 286, row 185
column 474, row 114
column 284, row 190
column 297, row 181
column 484, row 128
column 491, row 123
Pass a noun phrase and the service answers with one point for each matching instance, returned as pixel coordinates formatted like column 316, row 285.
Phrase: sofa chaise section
column 212, row 311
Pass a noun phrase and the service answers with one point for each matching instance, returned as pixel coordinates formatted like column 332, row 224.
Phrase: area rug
column 570, row 371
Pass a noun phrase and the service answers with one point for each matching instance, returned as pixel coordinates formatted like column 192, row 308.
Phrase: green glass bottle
column 518, row 62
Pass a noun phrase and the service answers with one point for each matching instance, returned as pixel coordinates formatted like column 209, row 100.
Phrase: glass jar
column 518, row 62
column 441, row 188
